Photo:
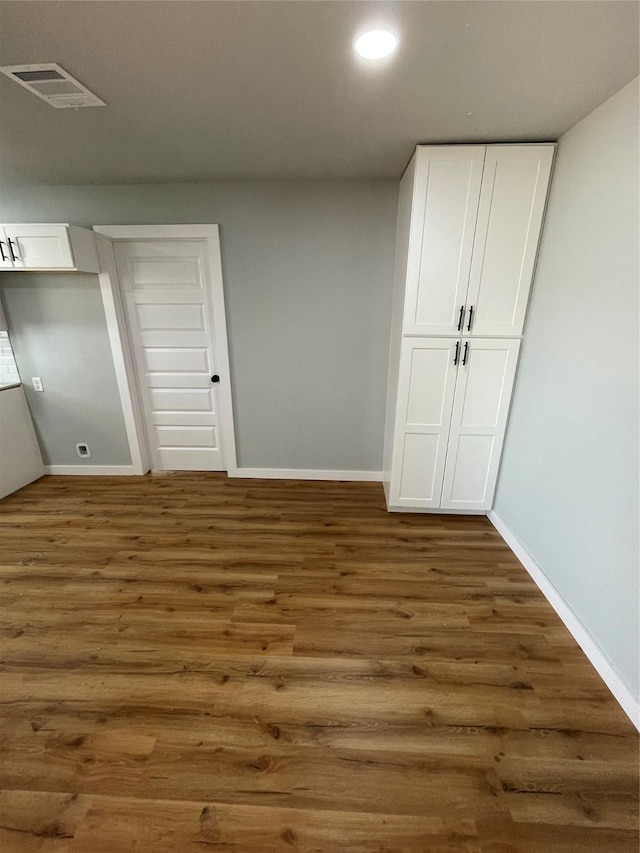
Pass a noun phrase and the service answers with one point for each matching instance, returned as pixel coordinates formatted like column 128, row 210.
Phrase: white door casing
column 168, row 305
column 446, row 195
column 480, row 411
column 512, row 204
column 425, row 399
column 106, row 238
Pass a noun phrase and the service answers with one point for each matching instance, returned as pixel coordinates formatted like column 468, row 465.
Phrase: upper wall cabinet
column 475, row 224
column 55, row 247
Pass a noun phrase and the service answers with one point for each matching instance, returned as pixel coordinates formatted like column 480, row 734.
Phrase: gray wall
column 58, row 332
column 308, row 277
column 568, row 486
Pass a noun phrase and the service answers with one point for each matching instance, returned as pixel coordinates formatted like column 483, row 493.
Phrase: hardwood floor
column 192, row 663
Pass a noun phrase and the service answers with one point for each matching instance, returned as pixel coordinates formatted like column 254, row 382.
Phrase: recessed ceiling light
column 376, row 44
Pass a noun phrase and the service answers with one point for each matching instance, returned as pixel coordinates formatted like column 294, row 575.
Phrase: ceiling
column 219, row 90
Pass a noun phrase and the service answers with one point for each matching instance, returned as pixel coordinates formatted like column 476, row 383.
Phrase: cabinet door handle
column 461, row 318
column 457, row 353
column 2, row 254
column 14, row 255
column 470, row 319
column 466, row 353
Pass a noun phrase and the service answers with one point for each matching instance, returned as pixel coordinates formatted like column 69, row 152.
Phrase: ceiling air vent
column 53, row 84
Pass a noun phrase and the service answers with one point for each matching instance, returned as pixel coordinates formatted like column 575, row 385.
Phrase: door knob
column 215, row 378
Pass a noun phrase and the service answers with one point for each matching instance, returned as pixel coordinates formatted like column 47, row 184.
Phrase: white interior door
column 480, row 411
column 512, row 202
column 425, row 399
column 443, row 219
column 168, row 305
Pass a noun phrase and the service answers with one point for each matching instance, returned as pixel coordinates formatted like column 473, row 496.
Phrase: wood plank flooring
column 192, row 663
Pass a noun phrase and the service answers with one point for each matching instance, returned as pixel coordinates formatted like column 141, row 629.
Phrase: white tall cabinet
column 469, row 221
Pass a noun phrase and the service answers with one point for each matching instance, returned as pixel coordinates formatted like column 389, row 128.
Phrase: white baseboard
column 629, row 703
column 91, row 470
column 249, row 473
column 306, row 474
column 434, row 510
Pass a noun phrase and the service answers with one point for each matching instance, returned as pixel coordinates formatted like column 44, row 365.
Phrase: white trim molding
column 155, row 232
column 628, row 702
column 307, row 474
column 122, row 357
column 120, row 346
column 91, row 470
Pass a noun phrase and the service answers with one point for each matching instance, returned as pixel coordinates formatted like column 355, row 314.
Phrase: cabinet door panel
column 425, row 399
column 40, row 246
column 469, row 480
column 5, row 256
column 445, row 206
column 480, row 410
column 512, row 201
column 484, row 388
column 421, row 457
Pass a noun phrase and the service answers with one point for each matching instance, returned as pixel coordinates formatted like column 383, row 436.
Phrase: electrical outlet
column 82, row 450
column 37, row 383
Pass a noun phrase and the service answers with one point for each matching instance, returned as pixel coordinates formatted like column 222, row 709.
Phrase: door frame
column 121, row 346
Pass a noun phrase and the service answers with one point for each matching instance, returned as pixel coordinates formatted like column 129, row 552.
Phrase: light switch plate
column 37, row 383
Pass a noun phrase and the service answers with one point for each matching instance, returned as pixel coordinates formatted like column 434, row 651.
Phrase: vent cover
column 53, row 84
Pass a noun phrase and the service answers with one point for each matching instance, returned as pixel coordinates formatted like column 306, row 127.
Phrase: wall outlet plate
column 37, row 383
column 82, row 449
